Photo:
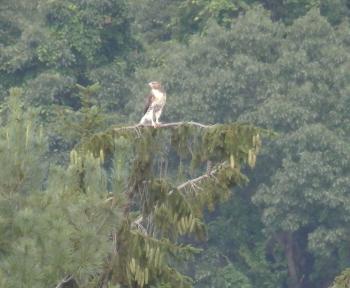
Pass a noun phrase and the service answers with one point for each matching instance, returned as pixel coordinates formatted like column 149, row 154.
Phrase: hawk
column 155, row 104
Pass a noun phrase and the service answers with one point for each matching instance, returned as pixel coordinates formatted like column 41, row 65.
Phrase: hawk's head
column 155, row 85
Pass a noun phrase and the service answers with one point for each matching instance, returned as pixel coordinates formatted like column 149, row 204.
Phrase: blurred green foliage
column 281, row 65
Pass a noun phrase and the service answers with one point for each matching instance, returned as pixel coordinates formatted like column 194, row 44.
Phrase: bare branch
column 194, row 182
column 138, row 225
column 67, row 282
column 163, row 125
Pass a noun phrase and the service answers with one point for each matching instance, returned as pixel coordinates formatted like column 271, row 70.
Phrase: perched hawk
column 155, row 103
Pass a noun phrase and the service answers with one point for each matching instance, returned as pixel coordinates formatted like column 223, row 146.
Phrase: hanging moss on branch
column 159, row 209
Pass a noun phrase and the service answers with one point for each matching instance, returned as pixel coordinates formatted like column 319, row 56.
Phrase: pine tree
column 116, row 215
column 22, row 152
column 167, row 189
column 343, row 280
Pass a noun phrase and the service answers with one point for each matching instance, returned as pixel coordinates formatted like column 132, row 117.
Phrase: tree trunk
column 286, row 239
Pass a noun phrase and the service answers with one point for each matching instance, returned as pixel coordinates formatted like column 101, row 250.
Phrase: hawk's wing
column 149, row 101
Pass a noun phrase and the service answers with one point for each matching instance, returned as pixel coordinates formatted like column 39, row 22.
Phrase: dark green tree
column 290, row 10
column 282, row 65
column 49, row 46
column 291, row 79
column 161, row 207
column 49, row 227
column 115, row 215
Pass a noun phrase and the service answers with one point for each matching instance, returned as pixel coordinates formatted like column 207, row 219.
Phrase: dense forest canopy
column 89, row 199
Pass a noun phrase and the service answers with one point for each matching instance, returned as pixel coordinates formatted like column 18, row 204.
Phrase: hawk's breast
column 159, row 97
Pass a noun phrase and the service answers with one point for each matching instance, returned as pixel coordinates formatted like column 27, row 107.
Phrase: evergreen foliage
column 159, row 210
column 342, row 281
column 66, row 166
column 109, row 218
column 51, row 230
column 293, row 80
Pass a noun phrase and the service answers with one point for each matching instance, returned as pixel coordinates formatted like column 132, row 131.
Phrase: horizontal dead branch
column 163, row 125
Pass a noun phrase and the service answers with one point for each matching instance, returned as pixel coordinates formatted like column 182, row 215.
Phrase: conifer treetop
column 175, row 171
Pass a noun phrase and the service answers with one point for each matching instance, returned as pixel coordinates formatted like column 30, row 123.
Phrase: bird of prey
column 155, row 104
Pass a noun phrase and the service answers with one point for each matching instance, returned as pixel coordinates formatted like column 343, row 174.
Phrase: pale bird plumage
column 155, row 104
